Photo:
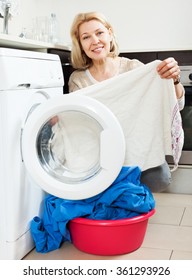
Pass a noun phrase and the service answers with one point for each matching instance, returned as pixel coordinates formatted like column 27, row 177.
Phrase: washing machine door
column 73, row 146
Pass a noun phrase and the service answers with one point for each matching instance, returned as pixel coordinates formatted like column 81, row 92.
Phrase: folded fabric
column 125, row 198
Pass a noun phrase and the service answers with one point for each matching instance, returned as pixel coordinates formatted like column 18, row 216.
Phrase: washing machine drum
column 73, row 146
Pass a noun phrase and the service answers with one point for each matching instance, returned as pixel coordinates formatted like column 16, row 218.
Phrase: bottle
column 23, row 33
column 53, row 33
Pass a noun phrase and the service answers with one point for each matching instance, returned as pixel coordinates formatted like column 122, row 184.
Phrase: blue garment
column 125, row 198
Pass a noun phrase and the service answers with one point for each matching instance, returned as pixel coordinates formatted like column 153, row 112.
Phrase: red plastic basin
column 109, row 237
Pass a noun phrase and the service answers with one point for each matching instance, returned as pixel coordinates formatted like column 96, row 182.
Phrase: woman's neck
column 105, row 69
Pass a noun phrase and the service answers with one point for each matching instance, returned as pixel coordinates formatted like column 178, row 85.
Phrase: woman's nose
column 95, row 39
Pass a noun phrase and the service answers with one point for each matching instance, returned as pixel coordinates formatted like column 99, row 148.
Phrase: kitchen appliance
column 28, row 79
column 33, row 160
column 181, row 178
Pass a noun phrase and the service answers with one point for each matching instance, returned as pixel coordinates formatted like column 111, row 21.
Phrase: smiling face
column 95, row 39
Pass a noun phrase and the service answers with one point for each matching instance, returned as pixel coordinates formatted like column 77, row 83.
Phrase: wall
column 138, row 24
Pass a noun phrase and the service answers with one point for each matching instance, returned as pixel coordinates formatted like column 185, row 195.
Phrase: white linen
column 75, row 144
column 147, row 109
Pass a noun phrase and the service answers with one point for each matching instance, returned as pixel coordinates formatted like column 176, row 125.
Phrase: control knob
column 190, row 76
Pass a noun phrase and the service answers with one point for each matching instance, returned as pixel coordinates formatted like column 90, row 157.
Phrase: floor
column 168, row 235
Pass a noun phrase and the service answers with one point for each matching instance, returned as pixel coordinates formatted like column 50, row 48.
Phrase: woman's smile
column 97, row 49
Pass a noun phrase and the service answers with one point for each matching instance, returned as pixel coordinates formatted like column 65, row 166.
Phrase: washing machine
column 28, row 79
column 67, row 145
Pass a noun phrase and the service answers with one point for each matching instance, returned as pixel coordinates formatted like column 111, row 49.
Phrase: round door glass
column 68, row 146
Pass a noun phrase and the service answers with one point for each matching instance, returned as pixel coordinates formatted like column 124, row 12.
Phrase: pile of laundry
column 125, row 198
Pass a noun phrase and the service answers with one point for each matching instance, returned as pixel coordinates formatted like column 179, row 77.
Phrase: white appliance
column 27, row 79
column 34, row 115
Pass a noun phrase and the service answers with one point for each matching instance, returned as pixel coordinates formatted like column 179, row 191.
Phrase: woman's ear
column 110, row 34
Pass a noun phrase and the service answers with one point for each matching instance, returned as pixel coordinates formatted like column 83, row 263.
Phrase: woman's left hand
column 169, row 69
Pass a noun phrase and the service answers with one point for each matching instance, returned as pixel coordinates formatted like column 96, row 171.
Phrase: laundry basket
column 109, row 237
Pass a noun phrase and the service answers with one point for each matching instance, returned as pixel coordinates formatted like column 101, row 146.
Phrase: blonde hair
column 78, row 57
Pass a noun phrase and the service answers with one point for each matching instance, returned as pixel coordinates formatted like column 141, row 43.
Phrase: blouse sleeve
column 181, row 101
column 78, row 80
column 73, row 86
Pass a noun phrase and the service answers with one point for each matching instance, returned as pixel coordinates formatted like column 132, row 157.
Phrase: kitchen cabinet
column 65, row 57
column 144, row 57
column 182, row 57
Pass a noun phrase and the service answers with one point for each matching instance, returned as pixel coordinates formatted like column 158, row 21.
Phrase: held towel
column 147, row 109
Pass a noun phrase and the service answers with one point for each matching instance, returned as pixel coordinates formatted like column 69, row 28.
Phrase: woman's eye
column 85, row 37
column 100, row 32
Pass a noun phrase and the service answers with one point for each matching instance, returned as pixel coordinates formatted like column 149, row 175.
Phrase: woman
column 95, row 56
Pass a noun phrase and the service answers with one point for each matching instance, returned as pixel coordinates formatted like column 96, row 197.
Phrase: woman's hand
column 169, row 69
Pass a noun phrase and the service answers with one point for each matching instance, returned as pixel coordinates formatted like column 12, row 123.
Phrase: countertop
column 11, row 41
